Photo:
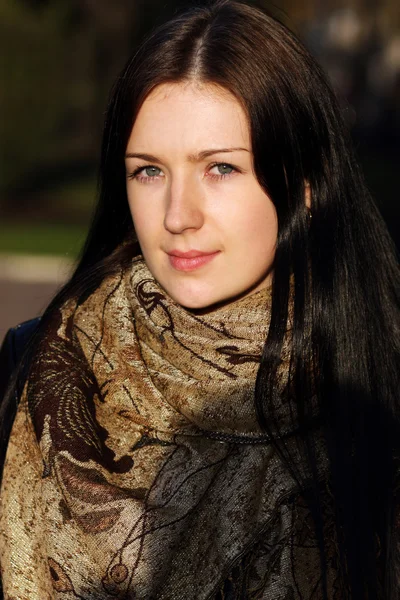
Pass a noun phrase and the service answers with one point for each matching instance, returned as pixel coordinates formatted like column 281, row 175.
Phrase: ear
column 307, row 195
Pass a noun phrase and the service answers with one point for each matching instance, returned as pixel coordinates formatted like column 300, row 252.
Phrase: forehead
column 190, row 113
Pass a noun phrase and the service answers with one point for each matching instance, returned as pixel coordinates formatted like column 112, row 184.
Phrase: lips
column 190, row 260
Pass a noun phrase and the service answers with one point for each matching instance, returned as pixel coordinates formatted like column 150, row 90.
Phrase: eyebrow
column 192, row 157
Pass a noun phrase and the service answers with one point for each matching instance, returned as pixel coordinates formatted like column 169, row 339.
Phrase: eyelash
column 146, row 179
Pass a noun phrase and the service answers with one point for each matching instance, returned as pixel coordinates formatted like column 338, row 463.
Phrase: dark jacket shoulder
column 12, row 349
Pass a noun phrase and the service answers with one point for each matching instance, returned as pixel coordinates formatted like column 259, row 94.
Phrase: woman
column 211, row 409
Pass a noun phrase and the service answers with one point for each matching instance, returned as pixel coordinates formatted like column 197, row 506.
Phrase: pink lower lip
column 190, row 264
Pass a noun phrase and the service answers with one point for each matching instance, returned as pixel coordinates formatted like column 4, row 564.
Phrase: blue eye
column 152, row 171
column 146, row 174
column 219, row 171
column 224, row 169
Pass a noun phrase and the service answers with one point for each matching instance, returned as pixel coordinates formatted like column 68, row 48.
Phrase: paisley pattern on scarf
column 136, row 468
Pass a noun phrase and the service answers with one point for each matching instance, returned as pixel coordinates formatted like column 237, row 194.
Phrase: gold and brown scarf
column 136, row 468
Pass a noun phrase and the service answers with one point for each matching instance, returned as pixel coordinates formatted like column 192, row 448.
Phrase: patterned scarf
column 136, row 467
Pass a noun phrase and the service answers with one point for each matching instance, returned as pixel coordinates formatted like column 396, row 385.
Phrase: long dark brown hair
column 345, row 343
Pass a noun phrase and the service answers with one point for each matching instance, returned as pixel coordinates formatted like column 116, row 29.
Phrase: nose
column 184, row 209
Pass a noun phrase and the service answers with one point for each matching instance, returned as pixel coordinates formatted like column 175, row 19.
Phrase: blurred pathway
column 27, row 284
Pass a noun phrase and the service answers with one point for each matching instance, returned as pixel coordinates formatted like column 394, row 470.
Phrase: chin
column 193, row 300
column 203, row 303
column 193, row 303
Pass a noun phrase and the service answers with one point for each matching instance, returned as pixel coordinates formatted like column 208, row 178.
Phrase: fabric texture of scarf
column 136, row 468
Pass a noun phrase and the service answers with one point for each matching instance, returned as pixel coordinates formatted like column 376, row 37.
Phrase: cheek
column 131, row 205
column 143, row 219
column 257, row 228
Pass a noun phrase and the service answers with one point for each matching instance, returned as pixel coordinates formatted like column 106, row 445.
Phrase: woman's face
column 206, row 228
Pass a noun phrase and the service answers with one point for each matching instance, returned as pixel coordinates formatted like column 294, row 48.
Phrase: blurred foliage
column 20, row 237
column 57, row 62
column 33, row 87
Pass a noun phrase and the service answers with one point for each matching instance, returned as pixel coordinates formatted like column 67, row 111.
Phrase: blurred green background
column 58, row 60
